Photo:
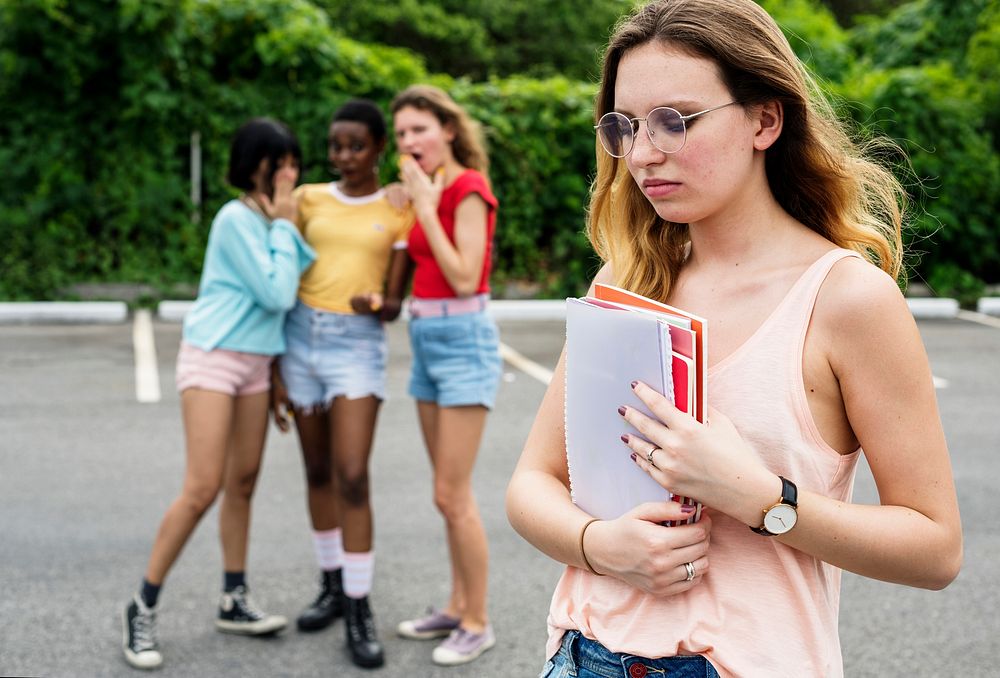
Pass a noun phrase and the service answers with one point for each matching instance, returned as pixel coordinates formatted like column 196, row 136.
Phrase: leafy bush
column 483, row 38
column 99, row 100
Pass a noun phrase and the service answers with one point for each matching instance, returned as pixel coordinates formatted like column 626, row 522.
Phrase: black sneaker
column 239, row 614
column 362, row 639
column 139, row 642
column 329, row 604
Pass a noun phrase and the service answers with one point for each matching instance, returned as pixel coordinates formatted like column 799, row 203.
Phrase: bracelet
column 583, row 553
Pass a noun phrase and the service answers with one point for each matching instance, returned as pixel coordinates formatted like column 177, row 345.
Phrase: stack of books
column 612, row 339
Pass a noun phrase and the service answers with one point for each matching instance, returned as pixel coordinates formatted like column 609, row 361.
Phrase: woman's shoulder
column 473, row 181
column 312, row 191
column 857, row 295
column 232, row 213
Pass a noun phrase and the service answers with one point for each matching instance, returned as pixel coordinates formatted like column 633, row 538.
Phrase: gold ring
column 689, row 568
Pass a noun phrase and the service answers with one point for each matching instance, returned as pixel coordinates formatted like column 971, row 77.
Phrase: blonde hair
column 467, row 146
column 814, row 169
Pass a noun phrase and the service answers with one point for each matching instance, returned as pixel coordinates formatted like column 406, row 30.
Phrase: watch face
column 780, row 519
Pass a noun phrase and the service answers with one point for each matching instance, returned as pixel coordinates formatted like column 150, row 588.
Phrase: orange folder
column 698, row 324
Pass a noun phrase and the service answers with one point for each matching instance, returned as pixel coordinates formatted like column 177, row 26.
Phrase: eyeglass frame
column 634, row 124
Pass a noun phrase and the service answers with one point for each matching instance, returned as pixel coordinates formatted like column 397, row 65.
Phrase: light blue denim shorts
column 581, row 657
column 456, row 359
column 332, row 354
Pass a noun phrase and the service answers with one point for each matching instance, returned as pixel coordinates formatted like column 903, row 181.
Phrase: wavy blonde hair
column 815, row 171
column 468, row 146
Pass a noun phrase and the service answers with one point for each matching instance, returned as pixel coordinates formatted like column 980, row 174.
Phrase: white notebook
column 606, row 349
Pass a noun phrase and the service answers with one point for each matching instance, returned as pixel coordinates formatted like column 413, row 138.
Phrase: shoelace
column 324, row 599
column 246, row 603
column 144, row 631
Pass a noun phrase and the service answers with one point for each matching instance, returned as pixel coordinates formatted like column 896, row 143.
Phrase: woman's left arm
column 400, row 268
column 875, row 353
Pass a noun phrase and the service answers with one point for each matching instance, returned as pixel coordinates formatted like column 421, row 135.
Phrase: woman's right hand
column 640, row 551
column 284, row 204
column 279, row 400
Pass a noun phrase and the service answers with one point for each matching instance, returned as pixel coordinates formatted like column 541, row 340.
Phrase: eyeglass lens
column 665, row 127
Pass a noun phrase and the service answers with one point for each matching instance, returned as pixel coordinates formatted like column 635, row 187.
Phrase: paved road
column 86, row 471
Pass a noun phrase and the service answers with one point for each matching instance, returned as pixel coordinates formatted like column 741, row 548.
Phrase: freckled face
column 715, row 162
column 420, row 134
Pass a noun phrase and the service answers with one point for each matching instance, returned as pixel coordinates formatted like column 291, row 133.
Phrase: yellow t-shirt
column 353, row 238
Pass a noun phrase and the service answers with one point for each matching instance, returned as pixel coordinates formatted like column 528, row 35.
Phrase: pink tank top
column 764, row 609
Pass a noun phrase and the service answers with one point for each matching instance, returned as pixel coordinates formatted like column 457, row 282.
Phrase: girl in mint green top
column 250, row 279
column 249, row 282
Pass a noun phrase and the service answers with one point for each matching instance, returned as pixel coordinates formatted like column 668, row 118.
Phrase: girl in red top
column 456, row 359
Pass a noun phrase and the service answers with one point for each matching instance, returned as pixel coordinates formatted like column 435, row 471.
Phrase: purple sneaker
column 435, row 624
column 462, row 646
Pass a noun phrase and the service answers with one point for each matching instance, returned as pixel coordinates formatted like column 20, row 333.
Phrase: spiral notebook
column 609, row 343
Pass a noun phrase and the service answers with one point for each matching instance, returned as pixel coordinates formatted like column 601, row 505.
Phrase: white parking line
column 147, row 374
column 529, row 367
column 980, row 318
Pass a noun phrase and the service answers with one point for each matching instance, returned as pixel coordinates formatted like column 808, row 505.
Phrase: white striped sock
column 359, row 570
column 329, row 547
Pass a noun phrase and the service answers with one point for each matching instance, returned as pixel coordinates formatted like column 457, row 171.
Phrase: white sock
column 359, row 570
column 329, row 547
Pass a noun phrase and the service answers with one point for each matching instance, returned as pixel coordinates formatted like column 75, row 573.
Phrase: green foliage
column 848, row 11
column 482, row 38
column 919, row 32
column 950, row 280
column 541, row 140
column 99, row 100
column 98, row 186
column 814, row 34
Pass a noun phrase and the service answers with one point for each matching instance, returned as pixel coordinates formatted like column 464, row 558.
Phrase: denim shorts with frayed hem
column 330, row 355
column 456, row 360
column 581, row 657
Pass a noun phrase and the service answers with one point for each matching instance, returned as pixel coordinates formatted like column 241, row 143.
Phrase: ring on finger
column 649, row 457
column 689, row 568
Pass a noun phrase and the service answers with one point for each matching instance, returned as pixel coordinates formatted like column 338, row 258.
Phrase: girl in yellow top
column 334, row 367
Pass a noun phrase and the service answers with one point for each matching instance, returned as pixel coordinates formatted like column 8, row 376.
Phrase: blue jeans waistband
column 591, row 656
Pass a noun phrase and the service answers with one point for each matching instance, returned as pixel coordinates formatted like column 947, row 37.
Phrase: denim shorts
column 456, row 359
column 584, row 658
column 332, row 354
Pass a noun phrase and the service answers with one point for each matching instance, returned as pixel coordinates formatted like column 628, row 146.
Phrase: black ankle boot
column 362, row 640
column 329, row 604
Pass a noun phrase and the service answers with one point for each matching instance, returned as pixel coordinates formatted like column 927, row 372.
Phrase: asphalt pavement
column 86, row 472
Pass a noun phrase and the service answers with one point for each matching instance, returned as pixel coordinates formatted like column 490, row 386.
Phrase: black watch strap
column 789, row 495
column 789, row 492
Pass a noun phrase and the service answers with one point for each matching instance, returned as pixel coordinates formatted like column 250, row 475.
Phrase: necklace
column 254, row 206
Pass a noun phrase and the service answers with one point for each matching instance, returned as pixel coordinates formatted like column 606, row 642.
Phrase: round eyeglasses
column 666, row 127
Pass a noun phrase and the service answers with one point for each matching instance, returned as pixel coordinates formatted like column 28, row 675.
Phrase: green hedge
column 99, row 99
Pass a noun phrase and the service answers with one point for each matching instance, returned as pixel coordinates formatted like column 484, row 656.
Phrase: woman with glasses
column 725, row 186
column 456, row 358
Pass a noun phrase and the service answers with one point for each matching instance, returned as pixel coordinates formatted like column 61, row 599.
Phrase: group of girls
column 296, row 286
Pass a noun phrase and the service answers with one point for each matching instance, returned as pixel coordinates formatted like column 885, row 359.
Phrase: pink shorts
column 232, row 372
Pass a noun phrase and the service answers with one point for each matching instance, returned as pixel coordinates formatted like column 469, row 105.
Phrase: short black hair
column 366, row 112
column 255, row 140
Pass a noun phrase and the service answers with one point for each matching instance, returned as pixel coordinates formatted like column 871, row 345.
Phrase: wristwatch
column 781, row 517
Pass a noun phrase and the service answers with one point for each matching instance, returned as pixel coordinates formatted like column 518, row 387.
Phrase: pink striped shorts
column 232, row 372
